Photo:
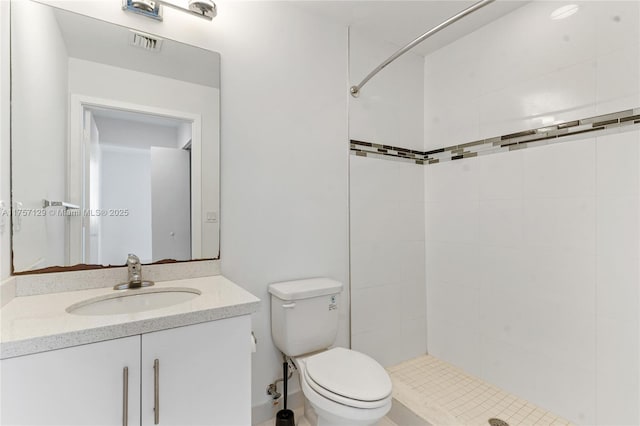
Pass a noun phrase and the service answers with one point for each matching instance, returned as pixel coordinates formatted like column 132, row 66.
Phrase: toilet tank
column 304, row 314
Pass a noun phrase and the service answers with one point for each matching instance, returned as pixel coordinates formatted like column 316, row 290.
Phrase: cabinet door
column 203, row 374
column 82, row 385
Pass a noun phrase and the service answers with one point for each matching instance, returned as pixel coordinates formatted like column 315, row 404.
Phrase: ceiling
column 399, row 21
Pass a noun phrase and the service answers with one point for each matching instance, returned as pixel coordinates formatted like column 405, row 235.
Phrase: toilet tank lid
column 304, row 289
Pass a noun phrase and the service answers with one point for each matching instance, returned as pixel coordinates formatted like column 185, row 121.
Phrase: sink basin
column 132, row 301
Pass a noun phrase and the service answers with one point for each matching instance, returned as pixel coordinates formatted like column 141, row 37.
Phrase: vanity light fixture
column 564, row 12
column 153, row 8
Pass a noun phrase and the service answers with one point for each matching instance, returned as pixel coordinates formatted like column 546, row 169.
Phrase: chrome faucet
column 134, row 268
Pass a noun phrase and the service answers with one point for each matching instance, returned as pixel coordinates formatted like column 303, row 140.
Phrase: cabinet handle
column 156, row 391
column 125, row 396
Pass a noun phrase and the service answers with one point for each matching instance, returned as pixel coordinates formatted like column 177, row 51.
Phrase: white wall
column 39, row 108
column 125, row 183
column 532, row 255
column 284, row 151
column 5, row 153
column 388, row 317
column 284, row 159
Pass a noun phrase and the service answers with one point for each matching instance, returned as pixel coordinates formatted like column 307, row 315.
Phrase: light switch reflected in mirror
column 120, row 134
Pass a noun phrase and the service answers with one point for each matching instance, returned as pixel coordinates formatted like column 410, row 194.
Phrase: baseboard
column 263, row 412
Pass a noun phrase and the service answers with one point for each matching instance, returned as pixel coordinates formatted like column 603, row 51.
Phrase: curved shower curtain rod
column 355, row 90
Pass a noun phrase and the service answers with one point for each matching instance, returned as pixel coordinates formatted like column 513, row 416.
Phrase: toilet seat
column 348, row 377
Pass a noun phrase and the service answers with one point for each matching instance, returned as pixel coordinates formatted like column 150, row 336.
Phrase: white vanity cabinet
column 78, row 386
column 202, row 376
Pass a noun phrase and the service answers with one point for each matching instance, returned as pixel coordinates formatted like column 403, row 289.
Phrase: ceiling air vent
column 145, row 41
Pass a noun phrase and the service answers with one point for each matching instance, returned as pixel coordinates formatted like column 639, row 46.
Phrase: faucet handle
column 132, row 259
column 135, row 269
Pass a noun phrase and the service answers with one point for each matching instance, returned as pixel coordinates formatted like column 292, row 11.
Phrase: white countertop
column 33, row 324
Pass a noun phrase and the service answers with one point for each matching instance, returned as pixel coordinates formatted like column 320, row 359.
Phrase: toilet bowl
column 343, row 387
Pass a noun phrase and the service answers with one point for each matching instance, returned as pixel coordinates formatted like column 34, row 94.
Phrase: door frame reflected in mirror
column 78, row 158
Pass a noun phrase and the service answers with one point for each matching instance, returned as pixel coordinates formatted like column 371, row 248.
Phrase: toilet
column 341, row 386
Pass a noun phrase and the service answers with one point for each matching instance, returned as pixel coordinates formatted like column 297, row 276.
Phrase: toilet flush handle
column 289, row 305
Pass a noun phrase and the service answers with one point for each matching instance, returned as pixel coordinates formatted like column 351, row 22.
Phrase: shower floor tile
column 444, row 395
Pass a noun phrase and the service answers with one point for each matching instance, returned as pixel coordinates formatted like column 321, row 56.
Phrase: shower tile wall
column 388, row 306
column 532, row 256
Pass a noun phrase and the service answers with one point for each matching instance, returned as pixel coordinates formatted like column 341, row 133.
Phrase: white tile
column 375, row 308
column 455, row 221
column 409, row 178
column 413, row 296
column 561, row 222
column 576, row 223
column 453, row 180
column 617, row 25
column 618, row 80
column 540, row 221
column 561, row 169
column 386, row 262
column 414, row 337
column 452, row 322
column 618, row 371
column 617, row 287
column 450, row 65
column 385, row 221
column 452, row 124
column 370, row 179
column 501, row 222
column 500, row 270
column 575, row 164
column 451, row 262
column 384, row 345
column 458, row 344
column 563, row 95
column 562, row 278
column 501, row 175
column 376, row 179
column 617, row 164
column 544, row 46
column 390, row 109
column 617, row 226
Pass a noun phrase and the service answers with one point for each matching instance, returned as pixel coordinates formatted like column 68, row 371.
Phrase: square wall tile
column 617, row 164
column 501, row 175
column 618, row 82
column 376, row 263
column 501, row 222
column 376, row 308
column 453, row 221
column 562, row 95
column 618, row 372
column 617, row 226
column 384, row 345
column 566, row 169
column 453, row 180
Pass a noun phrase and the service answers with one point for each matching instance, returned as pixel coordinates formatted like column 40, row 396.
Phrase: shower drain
column 498, row 422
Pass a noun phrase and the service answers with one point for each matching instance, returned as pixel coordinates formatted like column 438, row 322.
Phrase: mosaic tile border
column 529, row 138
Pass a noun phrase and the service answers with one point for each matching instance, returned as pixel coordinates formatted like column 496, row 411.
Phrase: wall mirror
column 114, row 143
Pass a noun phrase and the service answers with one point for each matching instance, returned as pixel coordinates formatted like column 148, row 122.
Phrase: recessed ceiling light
column 564, row 11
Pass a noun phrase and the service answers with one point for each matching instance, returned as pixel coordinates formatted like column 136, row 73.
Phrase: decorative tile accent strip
column 526, row 139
